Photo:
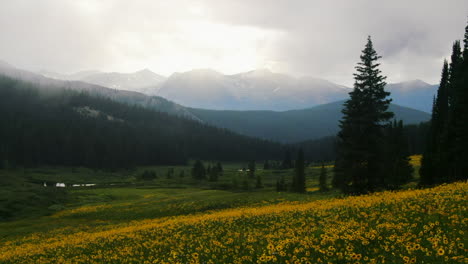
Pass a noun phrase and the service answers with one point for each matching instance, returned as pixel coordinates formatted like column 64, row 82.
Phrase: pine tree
column 219, row 167
column 287, row 162
column 299, row 180
column 431, row 162
column 398, row 169
column 359, row 157
column 213, row 174
column 458, row 127
column 252, row 169
column 461, row 128
column 452, row 149
column 323, row 179
column 198, row 171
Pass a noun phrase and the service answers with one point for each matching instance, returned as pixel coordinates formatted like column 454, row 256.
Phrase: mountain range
column 254, row 90
column 282, row 126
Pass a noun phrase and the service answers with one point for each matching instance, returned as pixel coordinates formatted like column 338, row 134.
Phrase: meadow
column 167, row 222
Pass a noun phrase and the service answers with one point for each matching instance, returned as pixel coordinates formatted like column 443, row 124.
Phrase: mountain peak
column 145, row 71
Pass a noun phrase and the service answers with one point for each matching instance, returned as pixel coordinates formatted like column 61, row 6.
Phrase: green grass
column 131, row 199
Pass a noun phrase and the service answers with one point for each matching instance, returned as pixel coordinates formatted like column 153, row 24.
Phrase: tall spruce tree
column 461, row 128
column 451, row 149
column 446, row 156
column 361, row 139
column 299, row 180
column 437, row 141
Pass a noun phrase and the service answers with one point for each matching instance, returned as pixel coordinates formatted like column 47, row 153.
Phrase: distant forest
column 67, row 128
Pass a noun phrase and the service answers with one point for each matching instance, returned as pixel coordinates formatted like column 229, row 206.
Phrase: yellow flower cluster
column 413, row 226
column 415, row 160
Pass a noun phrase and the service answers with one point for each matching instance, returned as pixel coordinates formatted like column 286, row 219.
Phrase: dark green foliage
column 258, row 183
column 436, row 150
column 281, row 185
column 219, row 167
column 323, row 179
column 182, row 174
column 446, row 155
column 299, row 180
column 287, row 162
column 245, row 184
column 397, row 169
column 65, row 128
column 170, row 173
column 198, row 170
column 252, row 169
column 266, row 165
column 148, row 175
column 295, row 125
column 214, row 173
column 361, row 137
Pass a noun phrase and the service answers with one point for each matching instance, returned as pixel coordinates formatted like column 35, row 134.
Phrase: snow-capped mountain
column 253, row 90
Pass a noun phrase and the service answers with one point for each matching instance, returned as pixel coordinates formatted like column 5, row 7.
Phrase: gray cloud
column 301, row 37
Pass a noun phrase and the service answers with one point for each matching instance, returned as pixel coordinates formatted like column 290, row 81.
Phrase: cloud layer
column 299, row 37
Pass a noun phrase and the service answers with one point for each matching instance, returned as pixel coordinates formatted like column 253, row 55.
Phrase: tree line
column 67, row 128
column 445, row 158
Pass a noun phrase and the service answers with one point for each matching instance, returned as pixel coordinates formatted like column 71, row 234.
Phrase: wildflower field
column 411, row 226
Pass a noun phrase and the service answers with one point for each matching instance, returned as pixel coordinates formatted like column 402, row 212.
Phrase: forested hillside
column 63, row 127
column 295, row 125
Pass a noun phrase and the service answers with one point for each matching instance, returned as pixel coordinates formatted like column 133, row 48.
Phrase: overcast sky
column 300, row 37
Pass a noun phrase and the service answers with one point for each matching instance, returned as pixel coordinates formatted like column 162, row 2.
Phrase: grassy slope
column 150, row 199
column 426, row 226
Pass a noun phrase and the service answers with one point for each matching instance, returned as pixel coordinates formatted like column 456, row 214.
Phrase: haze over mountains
column 254, row 90
column 209, row 89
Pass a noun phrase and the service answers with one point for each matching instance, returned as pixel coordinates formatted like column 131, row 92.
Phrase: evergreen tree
column 252, row 169
column 219, row 168
column 323, row 179
column 446, row 155
column 458, row 121
column 287, row 162
column 451, row 149
column 359, row 157
column 461, row 127
column 198, row 171
column 430, row 164
column 213, row 174
column 398, row 169
column 299, row 180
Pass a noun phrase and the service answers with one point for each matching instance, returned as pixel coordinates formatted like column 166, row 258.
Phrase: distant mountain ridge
column 283, row 126
column 123, row 96
column 294, row 125
column 253, row 90
column 143, row 81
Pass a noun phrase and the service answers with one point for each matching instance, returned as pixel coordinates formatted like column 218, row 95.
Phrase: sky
column 318, row 38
